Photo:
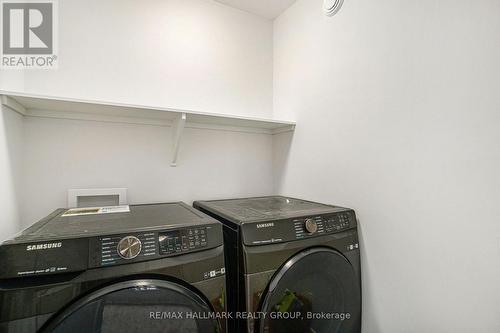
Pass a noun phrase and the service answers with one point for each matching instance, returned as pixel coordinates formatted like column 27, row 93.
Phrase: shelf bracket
column 178, row 128
column 13, row 104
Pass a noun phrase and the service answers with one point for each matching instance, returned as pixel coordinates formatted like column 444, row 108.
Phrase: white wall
column 196, row 54
column 64, row 154
column 11, row 143
column 398, row 112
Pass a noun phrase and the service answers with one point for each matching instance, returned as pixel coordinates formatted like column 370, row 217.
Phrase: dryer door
column 316, row 291
column 137, row 306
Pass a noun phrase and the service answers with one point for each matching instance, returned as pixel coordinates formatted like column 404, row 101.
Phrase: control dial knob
column 311, row 226
column 129, row 247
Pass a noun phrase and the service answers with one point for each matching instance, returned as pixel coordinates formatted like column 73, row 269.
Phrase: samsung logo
column 265, row 225
column 44, row 246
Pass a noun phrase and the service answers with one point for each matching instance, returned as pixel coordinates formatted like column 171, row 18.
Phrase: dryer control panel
column 309, row 226
column 298, row 228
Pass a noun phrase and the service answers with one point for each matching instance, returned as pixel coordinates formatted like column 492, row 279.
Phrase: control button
column 129, row 247
column 311, row 226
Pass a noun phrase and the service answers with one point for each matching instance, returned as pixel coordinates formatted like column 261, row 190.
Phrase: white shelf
column 68, row 108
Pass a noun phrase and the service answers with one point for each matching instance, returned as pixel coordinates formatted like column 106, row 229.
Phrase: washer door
column 316, row 291
column 137, row 306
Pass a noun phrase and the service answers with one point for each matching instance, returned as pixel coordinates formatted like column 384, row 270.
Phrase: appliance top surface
column 140, row 217
column 265, row 208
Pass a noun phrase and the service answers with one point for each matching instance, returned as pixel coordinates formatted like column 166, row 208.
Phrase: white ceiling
column 267, row 8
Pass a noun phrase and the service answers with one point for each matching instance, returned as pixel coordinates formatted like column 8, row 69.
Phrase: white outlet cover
column 331, row 7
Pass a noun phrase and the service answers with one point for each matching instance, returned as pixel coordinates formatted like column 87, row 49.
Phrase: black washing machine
column 293, row 265
column 154, row 268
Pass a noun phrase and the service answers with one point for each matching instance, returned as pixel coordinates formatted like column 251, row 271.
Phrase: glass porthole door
column 137, row 306
column 316, row 291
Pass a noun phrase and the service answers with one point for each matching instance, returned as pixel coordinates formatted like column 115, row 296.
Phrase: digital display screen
column 182, row 240
column 169, row 236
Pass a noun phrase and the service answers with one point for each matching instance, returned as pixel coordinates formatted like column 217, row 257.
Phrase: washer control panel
column 121, row 248
column 129, row 247
column 184, row 240
column 311, row 226
column 135, row 246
